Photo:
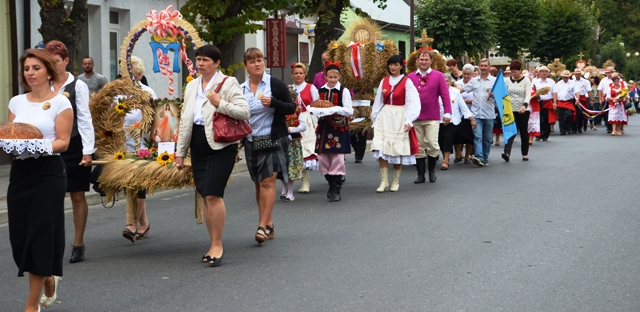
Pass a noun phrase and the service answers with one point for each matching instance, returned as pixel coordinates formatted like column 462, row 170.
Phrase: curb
column 94, row 199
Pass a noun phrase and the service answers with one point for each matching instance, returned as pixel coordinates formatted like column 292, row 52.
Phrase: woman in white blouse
column 519, row 88
column 211, row 162
column 464, row 133
column 396, row 106
column 448, row 133
column 37, row 186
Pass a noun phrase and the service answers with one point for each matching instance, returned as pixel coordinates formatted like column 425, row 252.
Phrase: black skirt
column 446, row 134
column 211, row 168
column 78, row 177
column 464, row 133
column 35, row 206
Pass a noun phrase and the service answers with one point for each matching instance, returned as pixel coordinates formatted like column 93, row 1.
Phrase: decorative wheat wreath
column 128, row 172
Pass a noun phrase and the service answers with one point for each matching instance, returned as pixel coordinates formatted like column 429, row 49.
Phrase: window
column 113, row 54
column 402, row 48
column 113, row 17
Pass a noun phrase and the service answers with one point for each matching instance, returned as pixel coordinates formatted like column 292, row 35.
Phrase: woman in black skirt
column 211, row 162
column 265, row 149
column 35, row 197
column 447, row 133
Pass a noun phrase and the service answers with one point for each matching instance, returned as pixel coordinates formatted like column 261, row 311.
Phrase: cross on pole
column 424, row 40
column 581, row 55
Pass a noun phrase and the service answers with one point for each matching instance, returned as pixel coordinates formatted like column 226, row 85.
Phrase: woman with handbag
column 265, row 148
column 396, row 106
column 212, row 162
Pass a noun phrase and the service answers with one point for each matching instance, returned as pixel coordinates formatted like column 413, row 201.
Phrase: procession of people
column 416, row 117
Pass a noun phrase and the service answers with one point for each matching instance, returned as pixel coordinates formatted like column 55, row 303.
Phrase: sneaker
column 476, row 161
column 485, row 163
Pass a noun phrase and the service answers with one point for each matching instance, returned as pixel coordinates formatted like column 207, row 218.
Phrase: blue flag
column 503, row 103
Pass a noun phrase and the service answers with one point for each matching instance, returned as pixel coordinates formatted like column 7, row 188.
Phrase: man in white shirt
column 583, row 86
column 563, row 101
column 483, row 110
column 547, row 115
column 603, row 88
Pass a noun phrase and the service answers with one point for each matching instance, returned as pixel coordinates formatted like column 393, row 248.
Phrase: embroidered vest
column 332, row 133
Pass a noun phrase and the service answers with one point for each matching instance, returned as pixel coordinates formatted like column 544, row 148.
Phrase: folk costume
column 547, row 114
column 295, row 124
column 332, row 133
column 307, row 93
column 397, row 104
column 582, row 87
column 566, row 111
column 617, row 112
column 533, row 126
column 431, row 87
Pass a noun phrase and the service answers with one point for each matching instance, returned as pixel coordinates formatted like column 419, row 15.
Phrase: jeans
column 482, row 136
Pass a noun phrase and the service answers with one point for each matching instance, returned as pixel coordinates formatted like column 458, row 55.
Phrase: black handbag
column 263, row 143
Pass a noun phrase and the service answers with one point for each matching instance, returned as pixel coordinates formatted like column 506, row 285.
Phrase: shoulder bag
column 227, row 129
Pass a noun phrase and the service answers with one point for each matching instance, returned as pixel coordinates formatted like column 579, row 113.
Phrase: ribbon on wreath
column 161, row 24
column 165, row 68
column 592, row 113
column 356, row 60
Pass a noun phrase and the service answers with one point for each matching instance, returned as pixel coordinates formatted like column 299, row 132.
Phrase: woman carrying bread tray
column 332, row 135
column 37, row 182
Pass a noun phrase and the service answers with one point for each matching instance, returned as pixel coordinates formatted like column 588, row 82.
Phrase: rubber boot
column 337, row 185
column 432, row 168
column 395, row 184
column 305, row 182
column 331, row 185
column 421, row 167
column 384, row 180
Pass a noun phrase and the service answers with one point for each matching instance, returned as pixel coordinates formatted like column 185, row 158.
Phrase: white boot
column 384, row 180
column 395, row 184
column 305, row 182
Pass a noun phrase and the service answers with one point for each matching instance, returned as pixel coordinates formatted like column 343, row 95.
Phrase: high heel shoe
column 271, row 231
column 144, row 234
column 129, row 234
column 47, row 302
column 261, row 235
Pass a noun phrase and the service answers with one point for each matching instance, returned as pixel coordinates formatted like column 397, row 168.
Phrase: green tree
column 614, row 51
column 566, row 30
column 458, row 26
column 519, row 25
column 619, row 17
column 218, row 21
column 633, row 69
column 58, row 24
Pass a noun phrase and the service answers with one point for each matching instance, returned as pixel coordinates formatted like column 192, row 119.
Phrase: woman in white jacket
column 211, row 162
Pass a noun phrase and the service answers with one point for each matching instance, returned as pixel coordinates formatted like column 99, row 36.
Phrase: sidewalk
column 93, row 198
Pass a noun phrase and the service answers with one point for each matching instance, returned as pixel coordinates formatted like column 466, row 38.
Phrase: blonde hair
column 251, row 54
column 299, row 65
column 137, row 66
column 331, row 71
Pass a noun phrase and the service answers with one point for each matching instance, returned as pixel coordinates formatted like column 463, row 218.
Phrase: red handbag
column 227, row 129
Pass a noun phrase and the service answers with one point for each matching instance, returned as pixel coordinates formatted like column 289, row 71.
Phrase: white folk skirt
column 390, row 141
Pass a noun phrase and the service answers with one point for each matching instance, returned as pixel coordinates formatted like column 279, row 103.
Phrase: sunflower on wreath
column 165, row 159
column 121, row 107
column 119, row 156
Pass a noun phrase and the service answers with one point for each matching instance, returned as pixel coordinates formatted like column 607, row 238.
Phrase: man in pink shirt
column 432, row 87
column 318, row 79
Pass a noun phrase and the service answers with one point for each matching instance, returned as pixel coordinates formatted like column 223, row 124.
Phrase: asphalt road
column 557, row 233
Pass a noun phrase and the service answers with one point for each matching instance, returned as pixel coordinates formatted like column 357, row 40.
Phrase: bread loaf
column 21, row 131
column 321, row 104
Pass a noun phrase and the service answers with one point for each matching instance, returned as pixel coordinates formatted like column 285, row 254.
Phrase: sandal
column 214, row 262
column 129, row 234
column 144, row 234
column 271, row 232
column 261, row 235
column 505, row 157
column 445, row 166
column 457, row 160
column 466, row 161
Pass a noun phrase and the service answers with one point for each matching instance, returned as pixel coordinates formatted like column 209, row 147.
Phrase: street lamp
column 622, row 44
column 636, row 54
column 628, row 54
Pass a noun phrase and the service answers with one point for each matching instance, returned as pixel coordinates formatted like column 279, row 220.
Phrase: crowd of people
column 416, row 117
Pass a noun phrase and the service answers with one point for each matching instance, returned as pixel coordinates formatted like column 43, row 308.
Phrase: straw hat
column 565, row 73
column 543, row 67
